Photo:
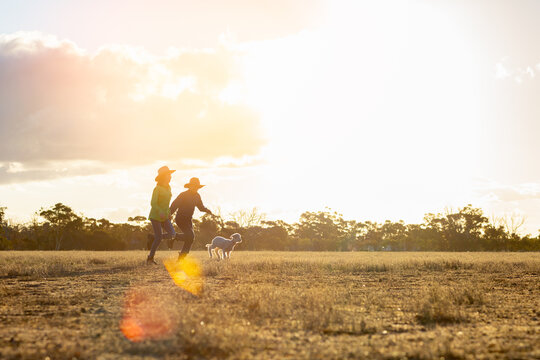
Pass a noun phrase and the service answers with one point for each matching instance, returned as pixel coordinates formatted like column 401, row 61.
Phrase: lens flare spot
column 131, row 329
column 185, row 274
column 147, row 316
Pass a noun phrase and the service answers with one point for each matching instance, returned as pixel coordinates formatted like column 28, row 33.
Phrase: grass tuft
column 447, row 305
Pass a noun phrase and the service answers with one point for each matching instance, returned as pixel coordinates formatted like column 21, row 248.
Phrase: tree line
column 466, row 229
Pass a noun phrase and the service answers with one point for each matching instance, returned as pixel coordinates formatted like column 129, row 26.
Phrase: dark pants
column 158, row 226
column 187, row 235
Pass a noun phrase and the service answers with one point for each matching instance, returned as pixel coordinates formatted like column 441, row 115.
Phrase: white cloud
column 510, row 200
column 519, row 74
column 501, row 72
column 511, row 193
column 118, row 106
column 17, row 172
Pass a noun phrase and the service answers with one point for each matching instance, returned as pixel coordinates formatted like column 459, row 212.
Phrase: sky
column 376, row 109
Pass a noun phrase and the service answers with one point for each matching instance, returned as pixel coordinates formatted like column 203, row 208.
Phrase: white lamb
column 226, row 246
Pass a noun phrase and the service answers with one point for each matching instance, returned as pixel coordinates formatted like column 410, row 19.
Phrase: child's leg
column 169, row 229
column 187, row 237
column 156, row 225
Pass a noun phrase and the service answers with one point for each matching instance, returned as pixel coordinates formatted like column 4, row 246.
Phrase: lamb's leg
column 210, row 251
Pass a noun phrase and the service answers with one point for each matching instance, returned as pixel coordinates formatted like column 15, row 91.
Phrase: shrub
column 5, row 244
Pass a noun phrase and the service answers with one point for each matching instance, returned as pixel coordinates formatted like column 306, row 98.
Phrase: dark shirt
column 185, row 204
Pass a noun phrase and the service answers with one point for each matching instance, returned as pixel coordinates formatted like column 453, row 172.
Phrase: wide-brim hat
column 193, row 183
column 163, row 171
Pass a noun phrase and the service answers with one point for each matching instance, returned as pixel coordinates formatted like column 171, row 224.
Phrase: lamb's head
column 236, row 238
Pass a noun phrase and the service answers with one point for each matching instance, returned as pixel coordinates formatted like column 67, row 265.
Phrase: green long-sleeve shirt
column 161, row 197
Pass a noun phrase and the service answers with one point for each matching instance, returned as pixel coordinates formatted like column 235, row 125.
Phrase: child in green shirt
column 159, row 213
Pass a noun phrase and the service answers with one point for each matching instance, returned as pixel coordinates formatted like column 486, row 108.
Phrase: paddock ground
column 270, row 305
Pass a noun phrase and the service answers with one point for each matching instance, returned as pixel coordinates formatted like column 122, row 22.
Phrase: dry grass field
column 262, row 305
